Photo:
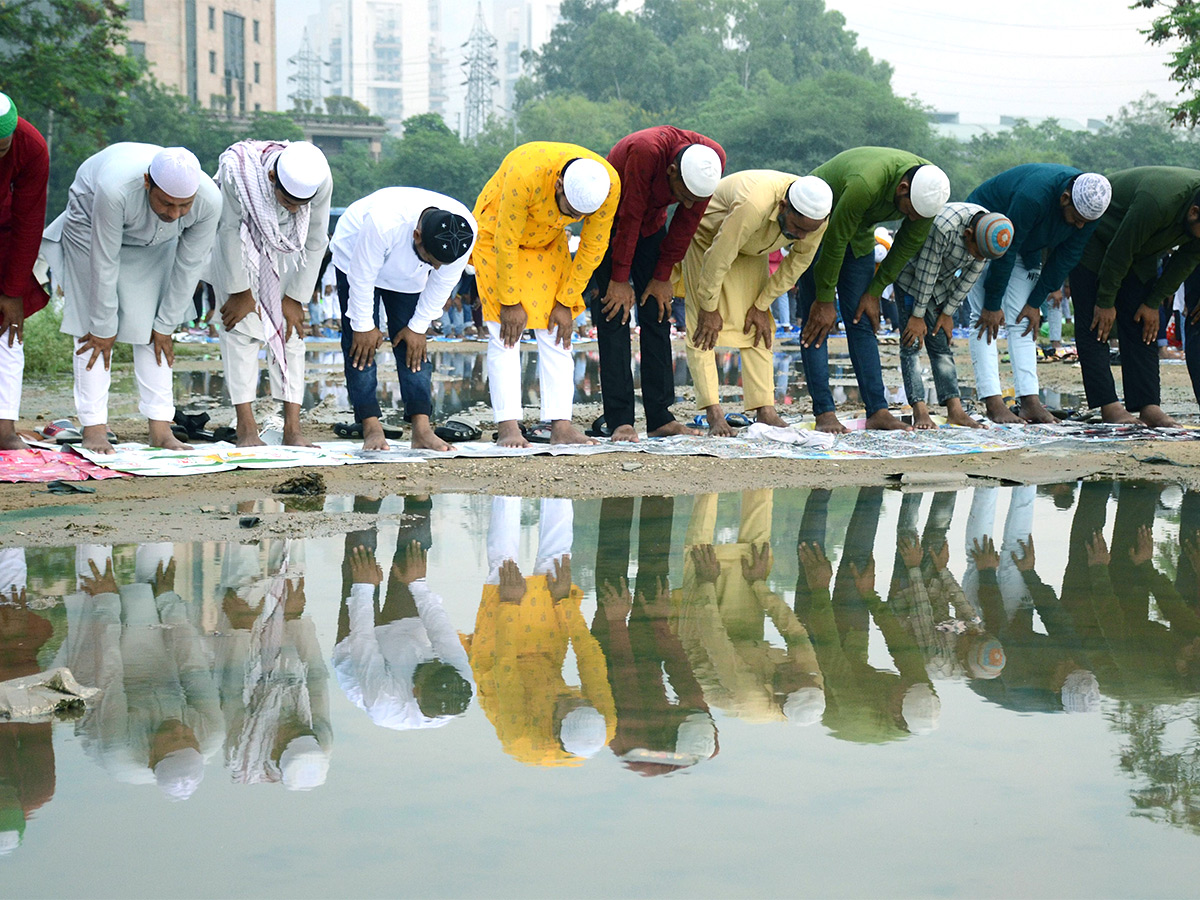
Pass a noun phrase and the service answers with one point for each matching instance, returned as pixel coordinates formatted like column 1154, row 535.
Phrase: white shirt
column 373, row 245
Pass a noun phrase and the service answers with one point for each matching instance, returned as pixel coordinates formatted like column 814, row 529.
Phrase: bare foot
column 292, row 435
column 508, row 434
column 1117, row 414
column 717, row 426
column 672, row 429
column 423, row 438
column 1031, row 409
column 9, row 439
column 883, row 420
column 373, row 438
column 999, row 412
column 626, row 433
column 161, row 436
column 956, row 415
column 1154, row 417
column 921, row 418
column 830, row 424
column 95, row 438
column 294, row 438
column 769, row 415
column 563, row 431
column 249, row 438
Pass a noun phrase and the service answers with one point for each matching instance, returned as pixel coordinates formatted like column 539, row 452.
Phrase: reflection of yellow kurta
column 725, row 269
column 522, row 255
column 517, row 655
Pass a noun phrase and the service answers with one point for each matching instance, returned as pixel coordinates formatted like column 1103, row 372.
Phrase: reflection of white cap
column 303, row 765
column 697, row 737
column 811, row 196
column 928, row 191
column 700, row 168
column 586, row 184
column 1081, row 692
column 9, row 841
column 583, row 731
column 805, row 706
column 921, row 708
column 179, row 773
column 301, row 169
column 176, row 171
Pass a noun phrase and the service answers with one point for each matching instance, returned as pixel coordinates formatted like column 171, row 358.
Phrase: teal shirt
column 864, row 182
column 1146, row 220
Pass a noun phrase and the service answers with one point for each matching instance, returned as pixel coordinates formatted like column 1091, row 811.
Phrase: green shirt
column 1146, row 220
column 864, row 182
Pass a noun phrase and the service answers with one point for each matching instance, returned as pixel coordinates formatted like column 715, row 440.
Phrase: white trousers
column 556, row 527
column 239, row 358
column 154, row 381
column 556, row 377
column 1022, row 350
column 1018, row 531
column 12, row 374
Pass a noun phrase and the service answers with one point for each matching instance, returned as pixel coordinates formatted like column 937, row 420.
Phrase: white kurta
column 373, row 245
column 123, row 270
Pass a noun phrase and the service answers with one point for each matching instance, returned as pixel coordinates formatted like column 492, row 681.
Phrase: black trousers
column 616, row 371
column 1191, row 332
column 1139, row 360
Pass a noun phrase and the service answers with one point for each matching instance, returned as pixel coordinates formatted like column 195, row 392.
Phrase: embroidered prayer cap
column 446, row 235
column 303, row 765
column 1090, row 195
column 993, row 235
column 928, row 191
column 810, row 196
column 985, row 658
column 805, row 706
column 700, row 169
column 1081, row 692
column 8, row 116
column 176, row 171
column 301, row 169
column 583, row 731
column 586, row 184
column 179, row 773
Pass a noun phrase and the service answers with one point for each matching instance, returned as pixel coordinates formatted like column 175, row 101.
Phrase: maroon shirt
column 641, row 159
column 24, row 171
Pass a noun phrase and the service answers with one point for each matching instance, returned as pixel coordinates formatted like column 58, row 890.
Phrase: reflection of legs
column 811, row 535
column 504, row 534
column 1018, row 537
column 756, row 510
column 980, row 525
column 1187, row 579
column 398, row 602
column 148, row 559
column 703, row 522
column 906, row 530
column 556, row 520
column 1137, row 503
column 654, row 543
column 849, row 605
column 937, row 522
column 612, row 547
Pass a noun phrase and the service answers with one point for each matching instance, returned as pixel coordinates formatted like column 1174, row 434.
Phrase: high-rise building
column 219, row 53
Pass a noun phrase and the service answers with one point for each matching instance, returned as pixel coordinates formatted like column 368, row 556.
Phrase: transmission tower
column 307, row 77
column 480, row 68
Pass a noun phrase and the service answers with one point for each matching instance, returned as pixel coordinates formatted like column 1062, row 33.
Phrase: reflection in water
column 654, row 636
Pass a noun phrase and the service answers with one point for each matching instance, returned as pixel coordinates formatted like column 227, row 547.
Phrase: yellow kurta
column 521, row 255
column 517, row 655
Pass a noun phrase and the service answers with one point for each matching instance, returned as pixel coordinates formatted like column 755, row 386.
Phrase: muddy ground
column 133, row 509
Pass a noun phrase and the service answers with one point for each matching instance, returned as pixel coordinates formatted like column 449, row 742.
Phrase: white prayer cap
column 303, row 765
column 882, row 234
column 176, row 171
column 583, row 731
column 1081, row 692
column 928, row 191
column 921, row 708
column 805, row 706
column 586, row 184
column 700, row 168
column 9, row 841
column 180, row 772
column 470, row 269
column 301, row 169
column 1090, row 195
column 811, row 196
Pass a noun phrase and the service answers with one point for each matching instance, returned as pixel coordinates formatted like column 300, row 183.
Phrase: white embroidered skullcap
column 176, row 171
column 921, row 708
column 583, row 732
column 700, row 169
column 805, row 706
column 928, row 191
column 1090, row 195
column 586, row 184
column 1081, row 692
column 810, row 196
column 303, row 765
column 301, row 169
column 180, row 772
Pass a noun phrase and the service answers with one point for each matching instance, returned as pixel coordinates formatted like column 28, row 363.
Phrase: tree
column 1180, row 21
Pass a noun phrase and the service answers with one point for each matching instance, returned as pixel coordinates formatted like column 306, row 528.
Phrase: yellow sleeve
column 516, row 194
column 593, row 243
column 800, row 256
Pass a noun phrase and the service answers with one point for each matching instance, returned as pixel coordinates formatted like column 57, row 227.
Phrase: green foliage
column 345, row 106
column 1179, row 24
column 47, row 350
column 577, row 120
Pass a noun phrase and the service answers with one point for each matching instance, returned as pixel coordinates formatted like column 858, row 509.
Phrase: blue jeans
column 362, row 384
column 452, row 322
column 853, row 280
column 941, row 358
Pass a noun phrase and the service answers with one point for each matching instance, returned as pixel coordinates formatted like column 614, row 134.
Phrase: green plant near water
column 48, row 351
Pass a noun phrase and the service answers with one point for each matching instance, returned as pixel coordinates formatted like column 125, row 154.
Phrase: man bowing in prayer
column 728, row 286
column 139, row 225
column 270, row 242
column 659, row 167
column 527, row 278
column 406, row 248
column 24, row 170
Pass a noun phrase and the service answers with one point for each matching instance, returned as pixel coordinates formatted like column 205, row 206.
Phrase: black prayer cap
column 446, row 235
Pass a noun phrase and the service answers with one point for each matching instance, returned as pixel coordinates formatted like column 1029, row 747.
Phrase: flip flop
column 738, row 420
column 538, row 434
column 225, row 434
column 354, row 430
column 192, row 425
column 61, row 431
column 455, row 430
column 599, row 428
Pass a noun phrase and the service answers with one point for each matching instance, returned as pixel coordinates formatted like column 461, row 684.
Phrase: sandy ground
column 133, row 509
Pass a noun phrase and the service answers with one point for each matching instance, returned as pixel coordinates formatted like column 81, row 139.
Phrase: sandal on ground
column 599, row 428
column 538, row 434
column 454, row 431
column 354, row 430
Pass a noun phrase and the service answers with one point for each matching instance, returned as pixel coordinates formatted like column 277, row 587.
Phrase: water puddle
column 718, row 694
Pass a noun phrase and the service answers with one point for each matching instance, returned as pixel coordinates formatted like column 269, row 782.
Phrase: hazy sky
column 1071, row 59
